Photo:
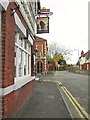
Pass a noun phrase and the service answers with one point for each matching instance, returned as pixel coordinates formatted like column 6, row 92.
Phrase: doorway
column 39, row 67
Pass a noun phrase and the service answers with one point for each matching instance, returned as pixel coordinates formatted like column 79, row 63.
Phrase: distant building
column 89, row 25
column 40, row 44
column 84, row 60
column 17, row 34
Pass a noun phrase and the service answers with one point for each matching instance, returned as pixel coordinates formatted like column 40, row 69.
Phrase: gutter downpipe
column 0, row 61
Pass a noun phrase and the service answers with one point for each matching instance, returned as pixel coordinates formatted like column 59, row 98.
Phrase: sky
column 68, row 25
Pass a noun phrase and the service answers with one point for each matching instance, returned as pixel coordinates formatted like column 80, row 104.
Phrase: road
column 76, row 84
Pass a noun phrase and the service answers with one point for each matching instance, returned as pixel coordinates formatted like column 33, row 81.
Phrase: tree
column 57, row 56
column 62, row 61
column 63, row 64
column 49, row 59
column 54, row 48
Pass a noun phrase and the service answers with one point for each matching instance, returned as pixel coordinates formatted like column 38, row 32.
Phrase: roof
column 87, row 55
column 39, row 39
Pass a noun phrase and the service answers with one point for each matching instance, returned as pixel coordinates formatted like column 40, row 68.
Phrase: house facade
column 40, row 45
column 17, row 34
column 84, row 60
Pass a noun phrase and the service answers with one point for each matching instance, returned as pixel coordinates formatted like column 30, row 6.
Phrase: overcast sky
column 68, row 24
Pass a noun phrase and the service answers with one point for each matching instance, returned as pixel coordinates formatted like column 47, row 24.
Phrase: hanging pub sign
column 42, row 25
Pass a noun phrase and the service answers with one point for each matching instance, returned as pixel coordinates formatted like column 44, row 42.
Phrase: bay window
column 22, row 57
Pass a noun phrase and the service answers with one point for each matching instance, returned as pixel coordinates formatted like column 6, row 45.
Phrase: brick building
column 17, row 33
column 85, row 60
column 40, row 45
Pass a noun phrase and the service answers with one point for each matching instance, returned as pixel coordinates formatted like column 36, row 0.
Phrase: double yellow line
column 82, row 113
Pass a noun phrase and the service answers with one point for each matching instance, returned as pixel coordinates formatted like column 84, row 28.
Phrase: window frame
column 25, row 52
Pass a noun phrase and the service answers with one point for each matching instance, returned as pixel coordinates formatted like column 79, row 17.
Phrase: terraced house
column 85, row 60
column 17, row 34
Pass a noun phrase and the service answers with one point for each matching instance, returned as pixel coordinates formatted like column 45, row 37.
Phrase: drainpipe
column 0, row 65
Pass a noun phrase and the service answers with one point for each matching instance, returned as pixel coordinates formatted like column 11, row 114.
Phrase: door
column 39, row 67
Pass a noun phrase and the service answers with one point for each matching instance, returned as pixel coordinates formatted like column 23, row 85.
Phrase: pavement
column 45, row 102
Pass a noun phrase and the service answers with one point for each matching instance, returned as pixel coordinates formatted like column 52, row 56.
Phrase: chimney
column 82, row 53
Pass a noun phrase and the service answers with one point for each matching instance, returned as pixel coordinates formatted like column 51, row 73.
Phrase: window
column 25, row 63
column 22, row 57
column 25, row 45
column 20, row 63
column 28, row 64
column 21, row 42
column 39, row 47
column 15, row 61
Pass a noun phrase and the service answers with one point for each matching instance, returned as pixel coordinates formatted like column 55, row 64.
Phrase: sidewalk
column 46, row 102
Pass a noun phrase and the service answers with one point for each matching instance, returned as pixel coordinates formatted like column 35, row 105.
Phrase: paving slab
column 46, row 102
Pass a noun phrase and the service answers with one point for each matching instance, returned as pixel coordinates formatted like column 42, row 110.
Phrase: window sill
column 22, row 81
column 18, row 84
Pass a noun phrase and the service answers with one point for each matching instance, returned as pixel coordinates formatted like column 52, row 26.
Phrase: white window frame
column 24, row 51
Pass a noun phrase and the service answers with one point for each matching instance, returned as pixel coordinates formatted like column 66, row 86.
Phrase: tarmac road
column 61, row 95
column 77, row 84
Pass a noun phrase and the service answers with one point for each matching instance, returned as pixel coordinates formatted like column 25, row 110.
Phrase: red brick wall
column 14, row 101
column 8, row 41
column 43, row 64
column 84, row 66
column 42, row 42
column 8, row 38
column 89, row 66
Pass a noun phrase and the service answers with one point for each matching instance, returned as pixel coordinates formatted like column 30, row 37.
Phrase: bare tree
column 55, row 47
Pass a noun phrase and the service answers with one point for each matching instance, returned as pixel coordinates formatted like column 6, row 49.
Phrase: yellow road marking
column 71, row 98
column 83, row 111
column 79, row 106
column 73, row 103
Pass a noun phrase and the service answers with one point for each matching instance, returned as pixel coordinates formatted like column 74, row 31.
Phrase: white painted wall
column 4, row 3
column 19, row 24
column 87, row 66
column 82, row 60
column 25, row 16
column 30, row 39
